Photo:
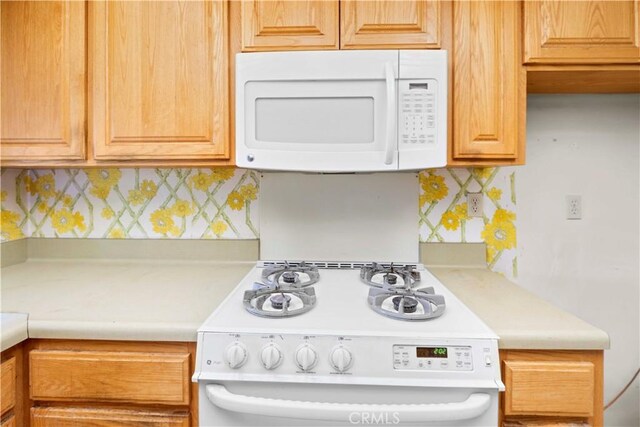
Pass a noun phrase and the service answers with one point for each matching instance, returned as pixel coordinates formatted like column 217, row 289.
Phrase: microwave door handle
column 474, row 406
column 391, row 110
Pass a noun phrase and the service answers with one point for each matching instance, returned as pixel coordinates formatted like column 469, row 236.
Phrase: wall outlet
column 574, row 207
column 474, row 205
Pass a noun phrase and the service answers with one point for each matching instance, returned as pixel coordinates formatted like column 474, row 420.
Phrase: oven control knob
column 341, row 359
column 235, row 355
column 271, row 356
column 306, row 357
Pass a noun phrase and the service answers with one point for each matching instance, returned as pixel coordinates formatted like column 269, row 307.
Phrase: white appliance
column 341, row 111
column 339, row 341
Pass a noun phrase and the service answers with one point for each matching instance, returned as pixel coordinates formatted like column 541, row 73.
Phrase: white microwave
column 341, row 111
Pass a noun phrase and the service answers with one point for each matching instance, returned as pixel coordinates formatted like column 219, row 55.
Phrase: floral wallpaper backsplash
column 443, row 215
column 222, row 203
column 130, row 203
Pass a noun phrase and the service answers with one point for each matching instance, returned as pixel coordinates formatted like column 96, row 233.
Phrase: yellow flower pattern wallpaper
column 443, row 215
column 217, row 203
column 222, row 203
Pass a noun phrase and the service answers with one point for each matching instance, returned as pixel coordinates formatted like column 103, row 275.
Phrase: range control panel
column 432, row 358
column 418, row 112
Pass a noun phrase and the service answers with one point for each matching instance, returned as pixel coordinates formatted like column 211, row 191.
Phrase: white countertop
column 13, row 329
column 116, row 299
column 169, row 300
column 521, row 319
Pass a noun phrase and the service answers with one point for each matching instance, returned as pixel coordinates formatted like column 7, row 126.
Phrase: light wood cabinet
column 289, row 25
column 110, row 376
column 111, row 383
column 12, row 383
column 10, row 421
column 489, row 84
column 80, row 417
column 582, row 46
column 158, row 86
column 581, row 32
column 563, row 386
column 42, row 80
column 8, row 385
column 399, row 24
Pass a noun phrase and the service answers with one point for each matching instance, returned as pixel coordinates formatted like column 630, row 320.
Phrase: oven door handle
column 391, row 112
column 475, row 405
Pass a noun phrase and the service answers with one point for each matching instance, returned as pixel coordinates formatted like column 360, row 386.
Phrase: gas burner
column 380, row 276
column 406, row 304
column 281, row 302
column 409, row 304
column 278, row 301
column 293, row 276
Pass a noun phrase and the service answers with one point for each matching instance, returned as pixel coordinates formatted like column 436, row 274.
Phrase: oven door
column 317, row 111
column 280, row 404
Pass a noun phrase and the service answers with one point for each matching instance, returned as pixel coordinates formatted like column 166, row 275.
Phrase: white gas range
column 337, row 342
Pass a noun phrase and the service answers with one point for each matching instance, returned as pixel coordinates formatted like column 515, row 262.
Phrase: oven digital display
column 431, row 352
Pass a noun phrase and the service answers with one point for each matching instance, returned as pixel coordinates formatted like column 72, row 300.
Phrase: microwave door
column 342, row 124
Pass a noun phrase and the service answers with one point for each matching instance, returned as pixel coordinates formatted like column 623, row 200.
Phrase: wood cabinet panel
column 159, row 80
column 108, row 376
column 8, row 383
column 80, row 417
column 549, row 388
column 289, row 25
column 582, row 32
column 42, row 80
column 554, row 387
column 390, row 24
column 489, row 83
column 9, row 422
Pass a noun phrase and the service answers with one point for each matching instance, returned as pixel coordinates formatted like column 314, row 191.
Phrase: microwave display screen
column 423, row 86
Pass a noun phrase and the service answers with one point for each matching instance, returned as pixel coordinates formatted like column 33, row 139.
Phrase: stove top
column 302, row 298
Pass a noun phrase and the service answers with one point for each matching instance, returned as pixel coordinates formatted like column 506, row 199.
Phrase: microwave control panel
column 418, row 112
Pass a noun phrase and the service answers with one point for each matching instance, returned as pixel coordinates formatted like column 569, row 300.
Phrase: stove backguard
column 339, row 217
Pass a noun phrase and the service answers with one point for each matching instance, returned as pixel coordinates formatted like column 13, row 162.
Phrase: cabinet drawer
column 549, row 388
column 78, row 417
column 8, row 385
column 110, row 376
column 9, row 422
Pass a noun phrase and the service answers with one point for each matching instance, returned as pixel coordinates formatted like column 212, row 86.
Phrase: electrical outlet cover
column 574, row 206
column 474, row 205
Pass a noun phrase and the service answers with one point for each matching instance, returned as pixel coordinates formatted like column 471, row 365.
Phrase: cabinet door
column 390, row 24
column 488, row 83
column 7, row 385
column 42, row 80
column 289, row 25
column 581, row 32
column 80, row 417
column 107, row 376
column 159, row 80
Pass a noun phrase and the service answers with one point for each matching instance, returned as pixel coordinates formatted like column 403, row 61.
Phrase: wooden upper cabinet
column 42, row 83
column 159, row 80
column 289, row 25
column 400, row 24
column 488, row 83
column 581, row 32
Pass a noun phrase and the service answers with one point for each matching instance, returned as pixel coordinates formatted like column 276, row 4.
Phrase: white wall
column 586, row 145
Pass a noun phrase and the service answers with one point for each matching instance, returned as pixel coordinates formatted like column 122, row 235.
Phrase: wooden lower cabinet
column 10, row 421
column 82, row 417
column 551, row 388
column 11, row 387
column 76, row 383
